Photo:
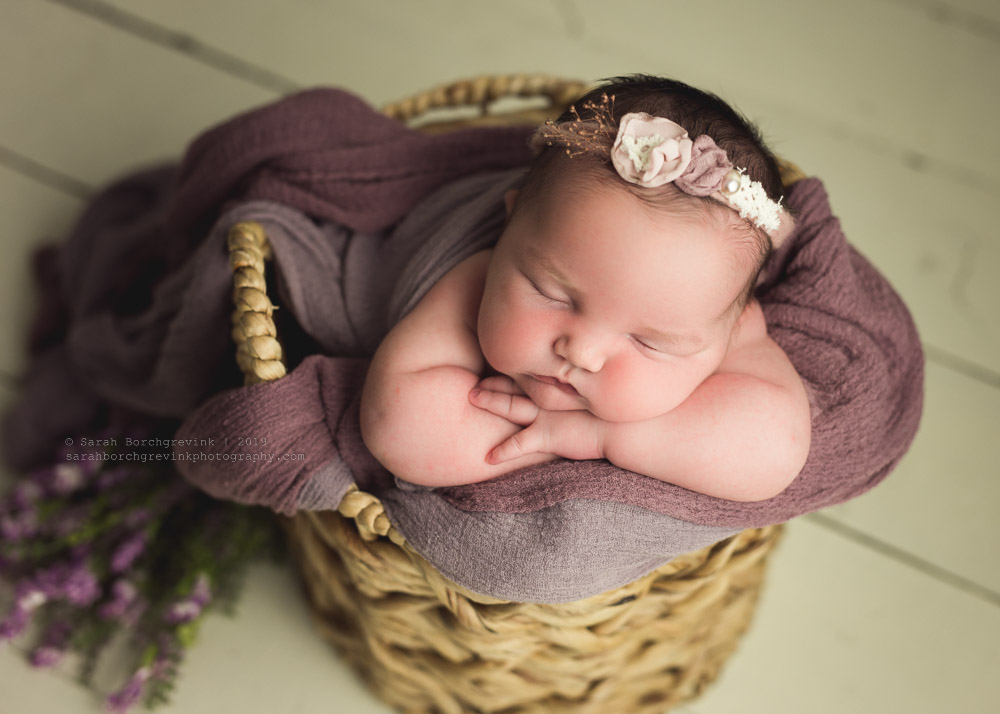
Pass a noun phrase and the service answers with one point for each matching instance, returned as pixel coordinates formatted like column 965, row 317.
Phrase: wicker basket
column 426, row 644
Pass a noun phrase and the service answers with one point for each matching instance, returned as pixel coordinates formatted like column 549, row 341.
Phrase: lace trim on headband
column 753, row 203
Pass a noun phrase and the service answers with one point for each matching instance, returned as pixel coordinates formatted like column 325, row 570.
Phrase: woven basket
column 426, row 644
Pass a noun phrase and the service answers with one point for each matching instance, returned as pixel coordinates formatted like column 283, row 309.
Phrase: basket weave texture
column 426, row 644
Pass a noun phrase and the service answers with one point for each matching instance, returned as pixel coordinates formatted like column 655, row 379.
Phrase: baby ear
column 509, row 198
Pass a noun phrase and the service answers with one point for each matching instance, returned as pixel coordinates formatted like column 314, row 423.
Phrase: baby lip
column 555, row 381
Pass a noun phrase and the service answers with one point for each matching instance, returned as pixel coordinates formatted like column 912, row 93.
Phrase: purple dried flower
column 117, row 498
column 48, row 582
column 44, row 657
column 162, row 667
column 18, row 526
column 201, row 592
column 67, row 478
column 27, row 601
column 89, row 467
column 53, row 646
column 134, row 612
column 81, row 586
column 127, row 551
column 15, row 623
column 124, row 590
column 123, row 594
column 168, row 652
column 126, row 697
column 113, row 610
column 138, row 518
column 190, row 607
column 68, row 521
column 25, row 494
column 74, row 582
column 81, row 551
column 183, row 611
column 113, row 476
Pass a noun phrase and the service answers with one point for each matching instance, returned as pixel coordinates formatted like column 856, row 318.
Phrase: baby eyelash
column 547, row 296
column 645, row 344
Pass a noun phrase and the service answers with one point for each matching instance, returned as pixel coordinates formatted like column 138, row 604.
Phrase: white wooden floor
column 888, row 604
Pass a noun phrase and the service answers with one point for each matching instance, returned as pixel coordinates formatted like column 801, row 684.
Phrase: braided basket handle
column 483, row 91
column 261, row 357
column 258, row 352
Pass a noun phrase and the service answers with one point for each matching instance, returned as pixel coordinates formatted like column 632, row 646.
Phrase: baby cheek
column 507, row 339
column 624, row 391
column 636, row 390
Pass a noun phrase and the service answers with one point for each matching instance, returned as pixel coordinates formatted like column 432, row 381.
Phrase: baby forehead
column 634, row 293
column 637, row 238
column 610, row 200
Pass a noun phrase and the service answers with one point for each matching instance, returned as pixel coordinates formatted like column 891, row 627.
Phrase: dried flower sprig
column 594, row 135
column 95, row 546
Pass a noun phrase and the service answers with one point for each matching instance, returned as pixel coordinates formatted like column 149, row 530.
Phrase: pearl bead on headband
column 653, row 151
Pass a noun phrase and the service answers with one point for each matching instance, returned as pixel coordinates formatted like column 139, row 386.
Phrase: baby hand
column 570, row 434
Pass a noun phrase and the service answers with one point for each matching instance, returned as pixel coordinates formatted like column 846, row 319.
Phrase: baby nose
column 580, row 352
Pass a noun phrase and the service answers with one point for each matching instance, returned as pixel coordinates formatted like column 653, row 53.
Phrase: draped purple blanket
column 127, row 297
column 364, row 216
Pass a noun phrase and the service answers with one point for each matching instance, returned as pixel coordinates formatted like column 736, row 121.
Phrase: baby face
column 603, row 303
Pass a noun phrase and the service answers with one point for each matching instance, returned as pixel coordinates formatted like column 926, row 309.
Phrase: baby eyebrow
column 545, row 263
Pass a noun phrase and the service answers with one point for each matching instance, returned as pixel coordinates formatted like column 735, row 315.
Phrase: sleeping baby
column 614, row 318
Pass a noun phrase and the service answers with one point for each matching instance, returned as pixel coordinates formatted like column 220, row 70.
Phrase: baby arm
column 743, row 434
column 416, row 417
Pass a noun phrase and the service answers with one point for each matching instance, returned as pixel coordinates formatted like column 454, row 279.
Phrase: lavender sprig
column 96, row 545
column 54, row 644
column 129, row 695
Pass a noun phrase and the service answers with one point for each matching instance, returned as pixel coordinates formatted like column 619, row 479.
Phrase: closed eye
column 548, row 297
column 642, row 344
column 664, row 350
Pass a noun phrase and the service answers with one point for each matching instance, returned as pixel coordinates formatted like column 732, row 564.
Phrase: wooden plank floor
column 888, row 603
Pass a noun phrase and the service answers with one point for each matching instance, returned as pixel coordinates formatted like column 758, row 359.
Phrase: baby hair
column 575, row 154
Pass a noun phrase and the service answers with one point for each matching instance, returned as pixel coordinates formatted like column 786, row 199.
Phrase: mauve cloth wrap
column 135, row 303
column 365, row 215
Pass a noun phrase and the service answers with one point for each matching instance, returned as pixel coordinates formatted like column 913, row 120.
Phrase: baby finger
column 499, row 383
column 526, row 441
column 513, row 408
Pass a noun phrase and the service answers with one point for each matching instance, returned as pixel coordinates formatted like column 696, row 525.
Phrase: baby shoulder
column 440, row 330
column 750, row 326
column 753, row 352
column 461, row 288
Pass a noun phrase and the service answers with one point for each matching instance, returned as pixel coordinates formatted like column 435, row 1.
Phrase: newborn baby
column 615, row 316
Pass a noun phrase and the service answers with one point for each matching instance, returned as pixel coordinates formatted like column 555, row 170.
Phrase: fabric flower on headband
column 652, row 151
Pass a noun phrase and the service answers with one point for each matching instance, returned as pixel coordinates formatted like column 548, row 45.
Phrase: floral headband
column 652, row 151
